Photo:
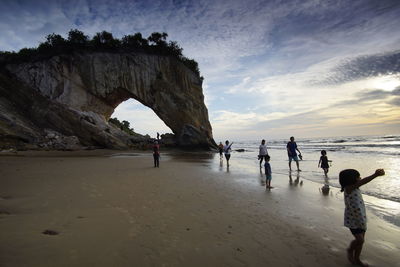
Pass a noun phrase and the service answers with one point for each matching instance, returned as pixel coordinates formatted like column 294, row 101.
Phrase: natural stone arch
column 96, row 83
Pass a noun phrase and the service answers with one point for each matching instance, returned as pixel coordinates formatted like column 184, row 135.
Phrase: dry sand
column 120, row 211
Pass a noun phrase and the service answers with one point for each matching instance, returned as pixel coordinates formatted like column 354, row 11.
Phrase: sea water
column 363, row 153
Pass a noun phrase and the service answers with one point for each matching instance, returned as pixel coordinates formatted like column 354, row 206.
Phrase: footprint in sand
column 50, row 232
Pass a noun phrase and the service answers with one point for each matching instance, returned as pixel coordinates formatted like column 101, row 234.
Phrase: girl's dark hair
column 323, row 152
column 267, row 157
column 348, row 177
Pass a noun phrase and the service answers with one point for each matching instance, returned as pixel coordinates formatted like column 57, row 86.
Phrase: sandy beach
column 102, row 210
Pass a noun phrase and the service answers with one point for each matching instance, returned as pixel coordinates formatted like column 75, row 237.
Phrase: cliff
column 71, row 97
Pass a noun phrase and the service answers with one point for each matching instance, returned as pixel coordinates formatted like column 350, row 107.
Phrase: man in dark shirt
column 291, row 149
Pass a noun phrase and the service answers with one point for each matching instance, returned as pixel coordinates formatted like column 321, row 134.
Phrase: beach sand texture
column 121, row 211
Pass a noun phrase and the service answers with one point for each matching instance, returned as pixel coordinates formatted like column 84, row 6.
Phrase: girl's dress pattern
column 354, row 213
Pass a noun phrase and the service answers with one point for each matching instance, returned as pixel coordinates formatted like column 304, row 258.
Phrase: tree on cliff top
column 55, row 44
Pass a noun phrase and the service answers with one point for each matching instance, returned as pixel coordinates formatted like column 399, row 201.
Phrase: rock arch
column 94, row 84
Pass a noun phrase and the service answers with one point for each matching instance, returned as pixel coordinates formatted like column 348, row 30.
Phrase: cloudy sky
column 272, row 69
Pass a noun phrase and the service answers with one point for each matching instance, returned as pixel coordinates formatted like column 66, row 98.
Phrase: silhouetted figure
column 268, row 173
column 324, row 162
column 156, row 154
column 291, row 150
column 220, row 149
column 227, row 151
column 354, row 214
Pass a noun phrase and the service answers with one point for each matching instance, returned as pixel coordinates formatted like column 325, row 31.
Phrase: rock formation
column 71, row 97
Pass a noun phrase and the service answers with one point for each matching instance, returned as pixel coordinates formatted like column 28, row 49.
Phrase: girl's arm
column 319, row 162
column 378, row 172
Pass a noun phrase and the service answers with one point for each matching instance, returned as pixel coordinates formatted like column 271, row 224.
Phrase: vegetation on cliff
column 103, row 41
column 123, row 126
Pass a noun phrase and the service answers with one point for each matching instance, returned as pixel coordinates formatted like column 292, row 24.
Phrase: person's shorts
column 227, row 156
column 262, row 157
column 268, row 177
column 357, row 231
column 295, row 158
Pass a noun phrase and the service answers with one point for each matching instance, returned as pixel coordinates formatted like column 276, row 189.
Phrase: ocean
column 363, row 153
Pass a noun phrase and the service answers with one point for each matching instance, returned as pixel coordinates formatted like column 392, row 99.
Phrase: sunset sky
column 271, row 69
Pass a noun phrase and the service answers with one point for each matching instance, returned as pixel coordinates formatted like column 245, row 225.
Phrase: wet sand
column 121, row 211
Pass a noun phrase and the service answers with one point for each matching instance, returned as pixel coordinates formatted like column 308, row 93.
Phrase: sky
column 272, row 69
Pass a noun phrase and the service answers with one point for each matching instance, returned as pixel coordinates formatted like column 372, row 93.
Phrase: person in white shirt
column 263, row 152
column 227, row 151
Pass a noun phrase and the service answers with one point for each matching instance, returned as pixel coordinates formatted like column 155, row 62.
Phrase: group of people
column 263, row 155
column 350, row 181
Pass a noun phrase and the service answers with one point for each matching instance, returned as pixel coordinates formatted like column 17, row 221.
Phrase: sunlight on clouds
column 388, row 82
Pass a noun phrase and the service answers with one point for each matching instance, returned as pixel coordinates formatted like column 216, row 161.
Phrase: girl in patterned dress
column 354, row 214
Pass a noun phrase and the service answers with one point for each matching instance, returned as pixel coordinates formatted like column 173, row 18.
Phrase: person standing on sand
column 291, row 150
column 220, row 149
column 324, row 162
column 354, row 214
column 227, row 151
column 268, row 173
column 263, row 152
column 156, row 154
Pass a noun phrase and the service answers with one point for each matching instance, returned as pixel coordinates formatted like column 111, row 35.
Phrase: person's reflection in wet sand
column 262, row 178
column 296, row 181
column 325, row 189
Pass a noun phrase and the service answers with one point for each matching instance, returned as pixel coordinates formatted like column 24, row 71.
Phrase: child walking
column 354, row 214
column 268, row 173
column 324, row 162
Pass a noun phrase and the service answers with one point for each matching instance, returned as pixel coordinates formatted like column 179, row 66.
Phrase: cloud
column 262, row 60
column 364, row 67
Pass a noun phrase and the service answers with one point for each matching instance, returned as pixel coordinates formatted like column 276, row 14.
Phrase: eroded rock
column 74, row 95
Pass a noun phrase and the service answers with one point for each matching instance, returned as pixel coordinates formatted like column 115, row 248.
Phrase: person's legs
column 358, row 248
column 297, row 164
column 355, row 248
column 227, row 156
column 261, row 159
column 290, row 163
column 155, row 160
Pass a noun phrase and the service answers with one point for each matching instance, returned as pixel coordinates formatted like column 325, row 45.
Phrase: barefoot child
column 354, row 214
column 268, row 173
column 324, row 162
